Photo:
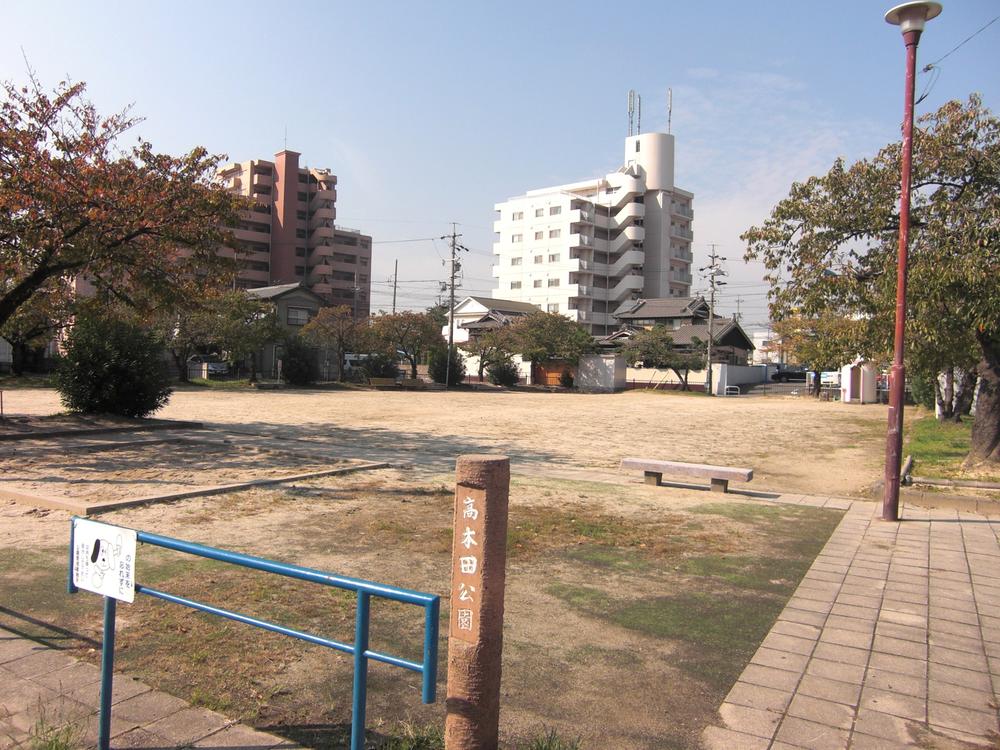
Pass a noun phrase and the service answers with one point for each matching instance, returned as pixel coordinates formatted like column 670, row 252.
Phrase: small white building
column 859, row 383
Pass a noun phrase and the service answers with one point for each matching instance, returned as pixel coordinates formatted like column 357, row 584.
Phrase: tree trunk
column 817, row 383
column 253, row 367
column 682, row 375
column 944, row 395
column 985, row 444
column 18, row 353
column 964, row 394
column 413, row 367
column 181, row 363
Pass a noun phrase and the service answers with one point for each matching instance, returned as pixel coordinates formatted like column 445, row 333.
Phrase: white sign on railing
column 104, row 559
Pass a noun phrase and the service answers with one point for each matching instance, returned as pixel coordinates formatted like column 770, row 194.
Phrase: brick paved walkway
column 892, row 640
column 41, row 687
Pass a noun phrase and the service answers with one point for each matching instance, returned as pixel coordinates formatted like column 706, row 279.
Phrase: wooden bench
column 412, row 383
column 720, row 476
column 382, row 382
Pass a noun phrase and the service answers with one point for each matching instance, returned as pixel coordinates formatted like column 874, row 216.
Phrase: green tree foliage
column 492, row 345
column 380, row 366
column 542, row 336
column 822, row 342
column 76, row 203
column 335, row 329
column 112, row 365
column 441, row 371
column 504, row 372
column 298, row 362
column 831, row 245
column 654, row 347
column 410, row 334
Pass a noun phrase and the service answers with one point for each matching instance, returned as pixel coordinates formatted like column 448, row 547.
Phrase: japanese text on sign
column 104, row 559
column 466, row 595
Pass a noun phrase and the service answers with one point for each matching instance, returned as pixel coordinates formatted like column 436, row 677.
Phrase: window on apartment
column 553, row 257
column 515, row 285
column 515, row 261
column 552, row 307
column 364, row 261
column 539, row 235
column 555, row 210
column 517, row 215
column 363, row 278
column 300, row 252
column 300, row 233
column 637, row 146
column 298, row 316
column 344, row 258
column 516, row 238
column 539, row 212
column 300, row 270
column 553, row 282
column 553, row 233
column 300, row 215
column 366, row 244
column 302, row 197
column 302, row 177
column 539, row 258
column 537, row 284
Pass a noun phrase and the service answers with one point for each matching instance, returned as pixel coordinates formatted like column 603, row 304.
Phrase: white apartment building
column 584, row 248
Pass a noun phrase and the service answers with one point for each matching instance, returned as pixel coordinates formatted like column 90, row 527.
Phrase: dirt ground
column 794, row 444
column 630, row 609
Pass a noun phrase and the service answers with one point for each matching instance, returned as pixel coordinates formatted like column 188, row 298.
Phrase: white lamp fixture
column 912, row 16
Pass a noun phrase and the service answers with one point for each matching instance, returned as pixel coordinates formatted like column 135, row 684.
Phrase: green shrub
column 299, row 364
column 380, row 366
column 922, row 389
column 566, row 379
column 112, row 366
column 439, row 369
column 503, row 372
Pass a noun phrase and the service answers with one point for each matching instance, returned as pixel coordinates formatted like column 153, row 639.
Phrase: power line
column 961, row 44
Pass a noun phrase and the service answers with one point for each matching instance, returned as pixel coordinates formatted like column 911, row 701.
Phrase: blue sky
column 433, row 112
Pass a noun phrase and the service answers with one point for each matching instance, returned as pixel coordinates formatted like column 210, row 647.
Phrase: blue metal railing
column 360, row 650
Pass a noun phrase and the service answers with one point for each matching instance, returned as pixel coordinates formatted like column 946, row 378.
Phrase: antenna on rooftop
column 670, row 107
column 638, row 109
column 631, row 109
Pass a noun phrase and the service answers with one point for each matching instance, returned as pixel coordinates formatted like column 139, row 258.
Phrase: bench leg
column 720, row 485
column 654, row 477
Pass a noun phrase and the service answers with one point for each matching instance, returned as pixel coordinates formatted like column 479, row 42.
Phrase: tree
column 409, row 335
column 831, row 245
column 655, row 348
column 35, row 323
column 243, row 326
column 299, row 365
column 76, row 204
column 542, row 336
column 446, row 365
column 822, row 342
column 112, row 365
column 335, row 328
column 490, row 346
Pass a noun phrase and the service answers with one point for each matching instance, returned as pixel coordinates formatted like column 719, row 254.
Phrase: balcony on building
column 322, row 216
column 322, row 199
column 681, row 232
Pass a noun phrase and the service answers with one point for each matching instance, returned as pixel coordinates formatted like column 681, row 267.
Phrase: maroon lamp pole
column 910, row 17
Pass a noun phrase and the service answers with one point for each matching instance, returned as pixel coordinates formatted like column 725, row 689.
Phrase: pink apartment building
column 290, row 235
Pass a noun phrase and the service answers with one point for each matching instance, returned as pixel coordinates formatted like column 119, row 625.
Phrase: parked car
column 216, row 365
column 789, row 376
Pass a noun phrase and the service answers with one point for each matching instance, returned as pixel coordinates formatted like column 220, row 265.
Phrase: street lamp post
column 910, row 17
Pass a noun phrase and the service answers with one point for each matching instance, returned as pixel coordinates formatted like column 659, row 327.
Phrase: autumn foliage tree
column 76, row 204
column 655, row 348
column 336, row 329
column 410, row 335
column 832, row 245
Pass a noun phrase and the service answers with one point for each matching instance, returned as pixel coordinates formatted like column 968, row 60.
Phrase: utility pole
column 395, row 278
column 714, row 272
column 739, row 315
column 455, row 266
